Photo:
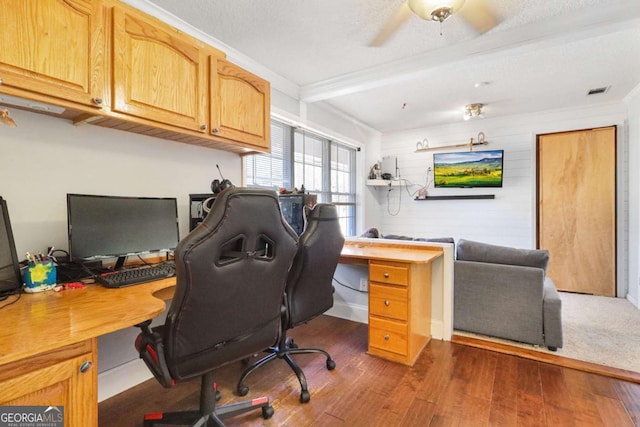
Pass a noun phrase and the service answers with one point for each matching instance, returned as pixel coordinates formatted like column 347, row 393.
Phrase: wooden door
column 159, row 73
column 54, row 48
column 240, row 105
column 577, row 209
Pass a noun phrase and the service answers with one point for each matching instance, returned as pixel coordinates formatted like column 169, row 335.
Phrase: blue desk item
column 40, row 274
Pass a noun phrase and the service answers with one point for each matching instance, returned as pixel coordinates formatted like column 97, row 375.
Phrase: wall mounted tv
column 468, row 169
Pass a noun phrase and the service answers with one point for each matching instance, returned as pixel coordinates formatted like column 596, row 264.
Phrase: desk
column 48, row 336
column 399, row 314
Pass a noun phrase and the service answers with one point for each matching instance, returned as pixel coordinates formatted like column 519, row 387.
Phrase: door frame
column 621, row 198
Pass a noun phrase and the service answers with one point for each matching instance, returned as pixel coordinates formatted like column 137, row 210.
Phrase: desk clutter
column 40, row 274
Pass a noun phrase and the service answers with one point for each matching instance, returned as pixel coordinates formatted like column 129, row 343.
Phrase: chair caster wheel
column 267, row 412
column 331, row 365
column 242, row 390
column 305, row 396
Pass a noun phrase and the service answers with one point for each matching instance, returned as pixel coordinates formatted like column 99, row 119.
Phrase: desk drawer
column 388, row 301
column 397, row 275
column 388, row 335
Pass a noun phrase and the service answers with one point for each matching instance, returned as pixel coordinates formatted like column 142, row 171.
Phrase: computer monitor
column 10, row 278
column 118, row 226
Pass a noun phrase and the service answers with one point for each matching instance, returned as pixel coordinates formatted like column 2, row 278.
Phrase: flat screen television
column 10, row 278
column 117, row 226
column 468, row 169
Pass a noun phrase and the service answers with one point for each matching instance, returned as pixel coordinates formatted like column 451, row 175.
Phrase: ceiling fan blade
column 400, row 16
column 478, row 15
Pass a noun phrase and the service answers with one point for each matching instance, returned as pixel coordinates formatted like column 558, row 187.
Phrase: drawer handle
column 386, row 337
column 86, row 366
column 386, row 275
column 387, row 302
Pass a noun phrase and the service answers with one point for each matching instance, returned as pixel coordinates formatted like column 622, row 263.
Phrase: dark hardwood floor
column 450, row 385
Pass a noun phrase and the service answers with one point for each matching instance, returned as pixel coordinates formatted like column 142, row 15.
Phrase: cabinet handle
column 386, row 275
column 387, row 303
column 97, row 101
column 86, row 366
column 203, row 127
column 215, row 130
column 386, row 337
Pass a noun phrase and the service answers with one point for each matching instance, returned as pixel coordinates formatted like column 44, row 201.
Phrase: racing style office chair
column 230, row 276
column 309, row 290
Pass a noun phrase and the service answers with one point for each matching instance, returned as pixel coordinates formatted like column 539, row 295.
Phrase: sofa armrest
column 499, row 300
column 552, row 315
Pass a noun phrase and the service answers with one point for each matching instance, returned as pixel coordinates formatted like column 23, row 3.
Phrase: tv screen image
column 468, row 169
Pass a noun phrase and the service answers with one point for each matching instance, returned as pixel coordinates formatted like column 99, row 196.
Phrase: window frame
column 292, row 160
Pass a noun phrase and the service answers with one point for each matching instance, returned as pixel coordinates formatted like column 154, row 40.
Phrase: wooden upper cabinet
column 54, row 48
column 159, row 73
column 240, row 105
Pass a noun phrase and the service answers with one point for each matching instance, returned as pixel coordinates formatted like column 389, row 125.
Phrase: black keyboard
column 136, row 275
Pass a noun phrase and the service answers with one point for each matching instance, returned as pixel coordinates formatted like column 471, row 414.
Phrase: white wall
column 45, row 158
column 509, row 219
column 633, row 103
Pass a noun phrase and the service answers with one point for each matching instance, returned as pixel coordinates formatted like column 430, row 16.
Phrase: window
column 301, row 159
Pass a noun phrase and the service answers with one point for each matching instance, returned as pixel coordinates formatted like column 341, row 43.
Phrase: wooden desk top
column 362, row 252
column 45, row 321
column 49, row 320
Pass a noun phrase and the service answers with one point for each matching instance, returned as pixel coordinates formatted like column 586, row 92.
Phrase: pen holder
column 40, row 275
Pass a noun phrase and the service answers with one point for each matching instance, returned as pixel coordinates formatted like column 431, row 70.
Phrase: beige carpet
column 600, row 330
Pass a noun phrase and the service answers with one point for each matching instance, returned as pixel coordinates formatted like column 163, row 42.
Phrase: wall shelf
column 383, row 182
column 466, row 196
column 424, row 145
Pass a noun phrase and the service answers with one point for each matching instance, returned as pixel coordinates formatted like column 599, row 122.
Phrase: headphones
column 217, row 185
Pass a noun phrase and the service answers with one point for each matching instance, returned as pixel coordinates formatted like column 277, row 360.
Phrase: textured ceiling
column 543, row 54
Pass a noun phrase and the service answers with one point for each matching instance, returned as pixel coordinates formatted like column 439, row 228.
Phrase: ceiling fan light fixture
column 473, row 111
column 435, row 10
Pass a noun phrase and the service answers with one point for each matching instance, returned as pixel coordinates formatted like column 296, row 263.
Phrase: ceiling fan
column 475, row 12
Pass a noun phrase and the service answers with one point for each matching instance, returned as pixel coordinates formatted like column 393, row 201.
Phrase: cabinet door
column 58, row 385
column 240, row 105
column 54, row 48
column 159, row 73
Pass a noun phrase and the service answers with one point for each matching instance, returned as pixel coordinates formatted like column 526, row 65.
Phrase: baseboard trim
column 121, row 378
column 354, row 312
column 565, row 362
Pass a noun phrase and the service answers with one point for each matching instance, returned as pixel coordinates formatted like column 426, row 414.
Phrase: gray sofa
column 504, row 292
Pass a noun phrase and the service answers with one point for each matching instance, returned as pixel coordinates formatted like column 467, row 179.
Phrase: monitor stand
column 120, row 263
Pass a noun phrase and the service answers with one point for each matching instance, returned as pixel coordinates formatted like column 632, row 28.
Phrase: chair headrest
column 322, row 211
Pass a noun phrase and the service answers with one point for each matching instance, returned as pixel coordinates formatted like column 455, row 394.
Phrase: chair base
column 209, row 414
column 284, row 351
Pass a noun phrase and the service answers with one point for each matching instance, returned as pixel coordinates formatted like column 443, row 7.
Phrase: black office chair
column 309, row 290
column 228, row 304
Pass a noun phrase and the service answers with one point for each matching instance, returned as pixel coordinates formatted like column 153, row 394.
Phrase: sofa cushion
column 482, row 252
